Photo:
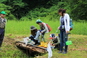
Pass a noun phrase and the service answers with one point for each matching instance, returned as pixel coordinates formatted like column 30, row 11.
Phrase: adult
column 64, row 30
column 2, row 26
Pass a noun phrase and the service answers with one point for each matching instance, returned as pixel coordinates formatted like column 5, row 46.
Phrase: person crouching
column 55, row 41
column 34, row 35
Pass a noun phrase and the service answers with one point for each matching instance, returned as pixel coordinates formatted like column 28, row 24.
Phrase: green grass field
column 23, row 27
column 16, row 30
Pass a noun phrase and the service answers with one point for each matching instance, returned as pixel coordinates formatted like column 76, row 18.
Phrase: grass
column 23, row 27
column 16, row 30
column 77, row 50
column 9, row 50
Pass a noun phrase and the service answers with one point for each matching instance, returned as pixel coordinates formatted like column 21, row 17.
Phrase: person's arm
column 45, row 28
column 5, row 21
column 37, row 35
column 60, row 23
column 67, row 23
column 57, row 41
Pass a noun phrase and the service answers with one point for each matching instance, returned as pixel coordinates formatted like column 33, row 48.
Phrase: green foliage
column 24, row 19
column 3, row 7
column 17, row 7
column 78, row 8
column 34, row 9
column 6, row 8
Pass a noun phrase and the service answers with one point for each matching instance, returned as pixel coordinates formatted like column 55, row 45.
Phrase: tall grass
column 23, row 27
column 80, row 28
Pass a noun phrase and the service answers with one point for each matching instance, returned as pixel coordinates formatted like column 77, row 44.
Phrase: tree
column 78, row 9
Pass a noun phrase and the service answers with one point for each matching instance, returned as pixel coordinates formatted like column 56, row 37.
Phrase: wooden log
column 31, row 48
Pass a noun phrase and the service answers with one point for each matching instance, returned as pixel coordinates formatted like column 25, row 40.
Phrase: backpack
column 71, row 24
column 49, row 28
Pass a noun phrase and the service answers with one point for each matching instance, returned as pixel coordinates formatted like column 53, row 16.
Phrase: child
column 55, row 41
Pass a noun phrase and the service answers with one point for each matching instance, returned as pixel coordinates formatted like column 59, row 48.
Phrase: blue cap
column 52, row 35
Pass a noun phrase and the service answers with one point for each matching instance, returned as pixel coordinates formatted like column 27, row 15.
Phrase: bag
column 71, row 24
column 49, row 28
column 68, row 42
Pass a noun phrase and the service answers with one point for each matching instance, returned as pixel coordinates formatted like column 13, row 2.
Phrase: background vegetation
column 30, row 9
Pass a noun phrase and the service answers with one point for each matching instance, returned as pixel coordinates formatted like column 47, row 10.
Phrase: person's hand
column 53, row 44
column 59, row 28
column 67, row 31
column 50, row 43
column 41, row 32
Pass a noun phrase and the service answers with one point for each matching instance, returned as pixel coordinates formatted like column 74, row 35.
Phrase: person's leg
column 37, row 36
column 32, row 38
column 57, row 46
column 61, row 41
column 1, row 38
column 65, row 39
column 42, row 36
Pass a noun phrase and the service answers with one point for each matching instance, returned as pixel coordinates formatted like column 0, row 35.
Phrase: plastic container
column 68, row 42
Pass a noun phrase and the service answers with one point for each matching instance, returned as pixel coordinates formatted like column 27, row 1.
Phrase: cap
column 2, row 12
column 51, row 36
column 38, row 21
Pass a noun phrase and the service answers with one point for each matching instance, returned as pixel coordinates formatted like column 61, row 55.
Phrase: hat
column 2, row 12
column 38, row 21
column 32, row 28
column 51, row 36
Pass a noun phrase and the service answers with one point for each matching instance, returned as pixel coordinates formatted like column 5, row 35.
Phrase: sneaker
column 60, row 52
column 64, row 52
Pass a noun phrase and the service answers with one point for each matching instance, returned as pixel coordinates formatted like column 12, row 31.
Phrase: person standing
column 2, row 26
column 64, row 30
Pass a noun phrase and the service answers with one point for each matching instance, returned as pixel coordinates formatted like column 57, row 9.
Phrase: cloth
column 27, row 40
column 49, row 50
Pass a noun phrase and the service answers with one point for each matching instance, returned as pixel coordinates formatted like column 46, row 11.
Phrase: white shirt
column 66, row 21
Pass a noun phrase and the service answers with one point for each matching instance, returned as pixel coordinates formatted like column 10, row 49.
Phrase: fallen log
column 30, row 48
